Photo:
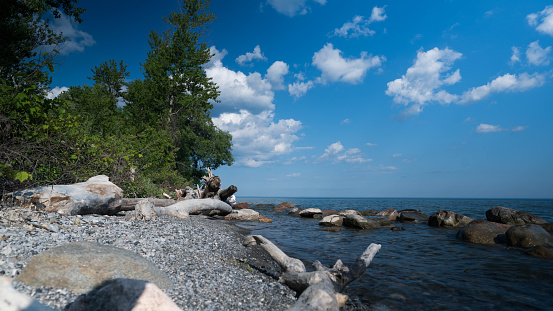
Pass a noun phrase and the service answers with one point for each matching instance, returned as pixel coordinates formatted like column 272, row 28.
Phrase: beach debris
column 320, row 289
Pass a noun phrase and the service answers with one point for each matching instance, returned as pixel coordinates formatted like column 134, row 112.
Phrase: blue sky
column 361, row 98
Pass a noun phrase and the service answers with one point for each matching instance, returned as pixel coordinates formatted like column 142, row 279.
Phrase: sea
column 421, row 267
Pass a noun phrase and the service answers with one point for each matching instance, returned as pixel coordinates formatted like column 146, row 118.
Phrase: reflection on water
column 421, row 268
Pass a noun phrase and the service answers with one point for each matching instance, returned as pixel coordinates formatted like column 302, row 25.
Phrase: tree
column 176, row 95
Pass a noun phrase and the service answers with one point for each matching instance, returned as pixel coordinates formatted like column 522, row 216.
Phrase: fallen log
column 128, row 204
column 185, row 208
column 320, row 289
column 224, row 194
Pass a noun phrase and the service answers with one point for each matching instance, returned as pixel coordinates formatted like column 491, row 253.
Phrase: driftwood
column 320, row 289
column 128, row 204
column 183, row 209
column 224, row 194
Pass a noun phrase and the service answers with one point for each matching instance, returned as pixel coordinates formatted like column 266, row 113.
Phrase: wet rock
column 335, row 229
column 413, row 216
column 360, row 222
column 97, row 195
column 124, row 295
column 332, row 221
column 528, row 236
column 327, row 212
column 241, row 205
column 512, row 217
column 260, row 205
column 547, row 227
column 243, row 214
column 540, row 251
column 311, row 213
column 369, row 212
column 381, row 220
column 294, row 211
column 349, row 211
column 391, row 213
column 481, row 231
column 81, row 266
column 448, row 219
column 285, row 205
column 265, row 219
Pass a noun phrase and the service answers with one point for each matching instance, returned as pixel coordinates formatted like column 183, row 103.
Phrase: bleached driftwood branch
column 320, row 289
column 185, row 208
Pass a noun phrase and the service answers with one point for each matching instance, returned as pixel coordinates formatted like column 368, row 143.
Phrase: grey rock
column 81, row 266
column 413, row 216
column 391, row 213
column 448, row 219
column 481, row 231
column 512, row 217
column 332, row 221
column 360, row 222
column 243, row 214
column 540, row 251
column 311, row 213
column 528, row 236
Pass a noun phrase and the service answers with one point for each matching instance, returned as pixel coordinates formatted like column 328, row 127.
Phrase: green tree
column 176, row 95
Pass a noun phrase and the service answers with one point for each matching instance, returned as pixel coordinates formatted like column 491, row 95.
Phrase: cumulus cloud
column 515, row 58
column 299, row 88
column 257, row 139
column 504, row 83
column 335, row 67
column 337, row 153
column 488, row 128
column 371, row 145
column 378, row 15
column 77, row 39
column 543, row 20
column 345, row 121
column 537, row 55
column 294, row 175
column 249, row 57
column 55, row 92
column 424, row 80
column 519, row 128
column 359, row 26
column 275, row 75
column 238, row 90
column 292, row 7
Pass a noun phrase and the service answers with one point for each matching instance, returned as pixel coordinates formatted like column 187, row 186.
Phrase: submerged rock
column 448, row 219
column 481, row 231
column 512, row 217
column 540, row 251
column 528, row 236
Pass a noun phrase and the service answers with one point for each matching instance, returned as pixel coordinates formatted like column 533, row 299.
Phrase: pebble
column 203, row 256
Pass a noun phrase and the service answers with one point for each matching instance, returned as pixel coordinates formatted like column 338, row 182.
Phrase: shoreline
column 203, row 256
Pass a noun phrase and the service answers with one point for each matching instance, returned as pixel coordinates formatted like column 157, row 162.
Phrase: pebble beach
column 203, row 257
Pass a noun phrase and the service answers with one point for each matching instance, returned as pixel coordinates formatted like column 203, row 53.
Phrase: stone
column 81, row 266
column 243, row 214
column 294, row 211
column 360, row 222
column 327, row 212
column 381, row 220
column 547, row 227
column 285, row 205
column 448, row 219
column 369, row 212
column 413, row 216
column 335, row 229
column 124, row 295
column 265, row 219
column 241, row 205
column 332, row 221
column 529, row 235
column 311, row 213
column 481, row 231
column 97, row 195
column 512, row 217
column 144, row 210
column 391, row 213
column 12, row 300
column 540, row 251
column 349, row 211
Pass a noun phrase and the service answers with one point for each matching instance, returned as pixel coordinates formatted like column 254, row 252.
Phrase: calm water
column 421, row 268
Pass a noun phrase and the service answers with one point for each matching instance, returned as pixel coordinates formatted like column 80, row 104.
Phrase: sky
column 328, row 98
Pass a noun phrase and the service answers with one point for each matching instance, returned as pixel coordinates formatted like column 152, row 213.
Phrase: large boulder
column 512, row 217
column 381, row 220
column 97, row 195
column 413, row 216
column 548, row 227
column 295, row 211
column 243, row 214
column 311, row 213
column 481, row 231
column 528, row 236
column 391, row 213
column 241, row 205
column 349, row 211
column 124, row 295
column 332, row 221
column 448, row 219
column 369, row 212
column 360, row 222
column 81, row 266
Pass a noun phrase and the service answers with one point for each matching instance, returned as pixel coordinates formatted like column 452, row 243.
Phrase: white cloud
column 504, row 83
column 515, row 58
column 294, row 159
column 292, row 7
column 298, row 89
column 275, row 75
column 248, row 57
column 537, row 55
column 542, row 21
column 294, row 175
column 345, row 121
column 488, row 128
column 257, row 139
column 423, row 81
column 378, row 15
column 371, row 145
column 337, row 153
column 55, row 92
column 397, row 155
column 238, row 90
column 77, row 39
column 334, row 67
column 518, row 128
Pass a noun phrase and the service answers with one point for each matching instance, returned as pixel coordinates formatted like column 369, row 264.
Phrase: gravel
column 203, row 256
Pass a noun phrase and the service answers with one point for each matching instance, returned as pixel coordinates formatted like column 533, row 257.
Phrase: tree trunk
column 320, row 290
column 129, row 204
column 224, row 194
column 185, row 208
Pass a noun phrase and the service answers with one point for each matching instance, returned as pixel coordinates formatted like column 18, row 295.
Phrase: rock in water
column 332, row 221
column 448, row 219
column 243, row 214
column 360, row 222
column 97, row 195
column 481, row 232
column 124, row 295
column 528, row 236
column 81, row 266
column 414, row 216
column 512, row 217
column 311, row 213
